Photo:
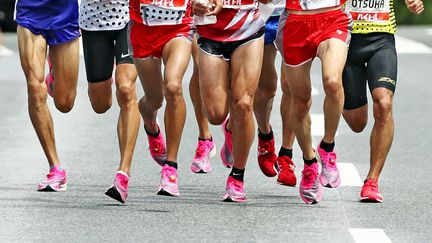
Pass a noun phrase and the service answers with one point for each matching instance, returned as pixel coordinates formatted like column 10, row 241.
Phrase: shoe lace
column 267, row 147
column 170, row 173
column 284, row 162
column 50, row 175
column 330, row 160
column 201, row 149
column 372, row 184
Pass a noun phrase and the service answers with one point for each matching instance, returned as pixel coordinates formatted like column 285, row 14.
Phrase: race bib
column 240, row 4
column 318, row 4
column 369, row 10
column 163, row 12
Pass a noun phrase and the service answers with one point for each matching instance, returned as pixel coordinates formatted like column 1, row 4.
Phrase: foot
column 201, row 161
column 168, row 183
column 370, row 192
column 234, row 191
column 286, row 168
column 226, row 150
column 55, row 181
column 267, row 157
column 311, row 191
column 119, row 188
column 157, row 147
column 329, row 176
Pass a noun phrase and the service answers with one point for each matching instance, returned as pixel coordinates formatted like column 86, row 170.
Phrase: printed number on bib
column 163, row 12
column 240, row 4
column 369, row 10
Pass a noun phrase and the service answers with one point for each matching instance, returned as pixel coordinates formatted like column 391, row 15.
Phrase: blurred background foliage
column 405, row 17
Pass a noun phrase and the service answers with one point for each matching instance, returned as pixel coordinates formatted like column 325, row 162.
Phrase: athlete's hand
column 204, row 7
column 215, row 7
column 265, row 1
column 415, row 6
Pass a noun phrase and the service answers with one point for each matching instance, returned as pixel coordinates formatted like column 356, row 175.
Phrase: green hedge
column 404, row 16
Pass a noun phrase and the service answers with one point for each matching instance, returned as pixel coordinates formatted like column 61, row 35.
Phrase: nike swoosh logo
column 125, row 55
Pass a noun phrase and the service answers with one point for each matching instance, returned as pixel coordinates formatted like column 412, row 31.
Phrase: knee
column 301, row 106
column 333, row 86
column 173, row 91
column 150, row 101
column 243, row 105
column 216, row 118
column 65, row 103
column 383, row 110
column 265, row 93
column 37, row 93
column 126, row 94
column 101, row 107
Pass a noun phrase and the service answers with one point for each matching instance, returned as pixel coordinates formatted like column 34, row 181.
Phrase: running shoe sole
column 49, row 188
column 226, row 159
column 163, row 192
column 207, row 169
column 370, row 200
column 227, row 198
column 113, row 193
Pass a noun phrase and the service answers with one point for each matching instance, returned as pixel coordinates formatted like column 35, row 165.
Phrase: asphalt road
column 87, row 145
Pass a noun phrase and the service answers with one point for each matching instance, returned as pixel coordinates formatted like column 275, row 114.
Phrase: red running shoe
column 267, row 157
column 370, row 193
column 286, row 168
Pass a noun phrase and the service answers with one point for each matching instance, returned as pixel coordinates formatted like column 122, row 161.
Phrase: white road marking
column 408, row 46
column 317, row 126
column 349, row 175
column 369, row 236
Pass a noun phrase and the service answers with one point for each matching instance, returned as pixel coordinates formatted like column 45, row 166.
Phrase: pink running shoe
column 201, row 161
column 157, row 147
column 370, row 192
column 234, row 191
column 168, row 183
column 49, row 79
column 329, row 176
column 56, row 181
column 311, row 191
column 226, row 150
column 119, row 188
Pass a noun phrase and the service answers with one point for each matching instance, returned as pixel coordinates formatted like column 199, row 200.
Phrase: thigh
column 121, row 49
column 333, row 54
column 149, row 72
column 65, row 60
column 382, row 66
column 299, row 82
column 32, row 51
column 98, row 47
column 176, row 56
column 268, row 76
column 213, row 81
column 246, row 63
column 354, row 82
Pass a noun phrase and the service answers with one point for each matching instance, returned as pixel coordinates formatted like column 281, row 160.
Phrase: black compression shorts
column 371, row 59
column 225, row 49
column 100, row 49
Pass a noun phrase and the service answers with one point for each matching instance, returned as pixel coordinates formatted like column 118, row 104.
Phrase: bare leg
column 382, row 133
column 194, row 90
column 333, row 54
column 245, row 67
column 300, row 86
column 176, row 56
column 149, row 71
column 128, row 122
column 288, row 134
column 266, row 90
column 33, row 51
